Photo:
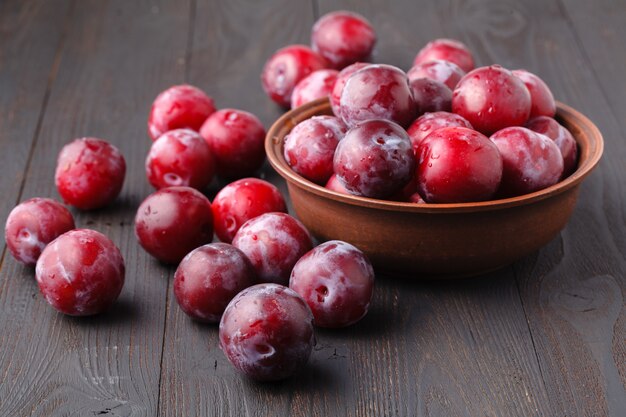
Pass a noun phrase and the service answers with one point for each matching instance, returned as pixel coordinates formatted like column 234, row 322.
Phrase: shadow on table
column 121, row 312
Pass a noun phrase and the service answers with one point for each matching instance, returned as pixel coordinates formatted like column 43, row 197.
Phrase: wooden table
column 544, row 337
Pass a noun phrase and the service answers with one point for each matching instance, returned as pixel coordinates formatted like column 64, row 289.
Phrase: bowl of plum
column 435, row 185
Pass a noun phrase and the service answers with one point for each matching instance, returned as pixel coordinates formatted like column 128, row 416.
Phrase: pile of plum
column 265, row 282
column 444, row 132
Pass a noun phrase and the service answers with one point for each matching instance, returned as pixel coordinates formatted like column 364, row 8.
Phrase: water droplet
column 172, row 179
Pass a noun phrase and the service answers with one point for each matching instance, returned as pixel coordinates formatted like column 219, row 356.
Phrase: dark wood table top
column 543, row 337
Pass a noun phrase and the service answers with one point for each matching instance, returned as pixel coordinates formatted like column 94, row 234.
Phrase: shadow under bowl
column 437, row 240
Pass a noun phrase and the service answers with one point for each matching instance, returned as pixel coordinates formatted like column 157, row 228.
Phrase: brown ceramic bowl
column 437, row 240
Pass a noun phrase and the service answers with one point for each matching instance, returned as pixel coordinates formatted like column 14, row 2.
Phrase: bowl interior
column 587, row 135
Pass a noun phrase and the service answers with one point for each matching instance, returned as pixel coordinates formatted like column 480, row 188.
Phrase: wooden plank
column 572, row 289
column 600, row 31
column 424, row 349
column 450, row 375
column 117, row 56
column 31, row 34
column 230, row 45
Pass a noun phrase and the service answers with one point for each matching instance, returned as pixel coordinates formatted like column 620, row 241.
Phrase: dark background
column 545, row 337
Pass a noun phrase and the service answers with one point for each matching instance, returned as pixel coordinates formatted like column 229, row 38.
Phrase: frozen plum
column 375, row 159
column 336, row 280
column 286, row 68
column 273, row 242
column 180, row 157
column 340, row 82
column 90, row 173
column 266, row 332
column 561, row 136
column 343, row 38
column 81, row 272
column 179, row 107
column 377, row 92
column 492, row 98
column 236, row 139
column 531, row 161
column 209, row 277
column 33, row 224
column 457, row 165
column 172, row 222
column 439, row 70
column 541, row 99
column 431, row 95
column 241, row 201
column 447, row 50
column 310, row 147
column 429, row 122
column 318, row 84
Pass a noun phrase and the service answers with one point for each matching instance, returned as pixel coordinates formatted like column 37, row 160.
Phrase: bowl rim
column 591, row 147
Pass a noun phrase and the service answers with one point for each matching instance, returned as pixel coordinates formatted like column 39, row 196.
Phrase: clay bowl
column 437, row 240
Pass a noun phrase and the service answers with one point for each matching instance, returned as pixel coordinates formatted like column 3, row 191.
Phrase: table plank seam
column 590, row 65
column 530, row 332
column 186, row 75
column 190, row 34
column 167, row 310
column 44, row 105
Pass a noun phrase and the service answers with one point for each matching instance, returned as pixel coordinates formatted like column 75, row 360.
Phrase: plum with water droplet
column 241, row 201
column 179, row 107
column 561, row 136
column 236, row 139
column 273, row 242
column 377, row 92
column 81, row 272
column 457, row 165
column 266, row 332
column 445, row 72
column 343, row 38
column 431, row 95
column 492, row 98
column 448, row 50
column 209, row 277
column 531, row 161
column 318, row 84
column 90, row 173
column 310, row 146
column 284, row 70
column 33, row 224
column 172, row 222
column 336, row 280
column 375, row 159
column 180, row 158
column 541, row 98
column 429, row 122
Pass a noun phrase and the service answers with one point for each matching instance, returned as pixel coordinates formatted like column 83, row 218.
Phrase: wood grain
column 117, row 56
column 572, row 289
column 231, row 41
column 604, row 52
column 545, row 337
column 31, row 37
